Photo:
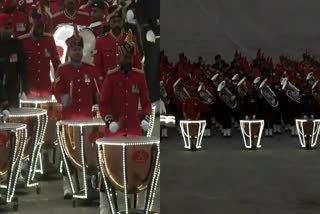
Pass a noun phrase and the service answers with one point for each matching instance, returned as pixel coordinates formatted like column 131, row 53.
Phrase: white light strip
column 151, row 120
column 249, row 135
column 125, row 178
column 186, row 133
column 314, row 134
column 167, row 119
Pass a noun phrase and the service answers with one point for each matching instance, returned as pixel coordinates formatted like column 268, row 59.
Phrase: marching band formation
column 86, row 58
column 222, row 93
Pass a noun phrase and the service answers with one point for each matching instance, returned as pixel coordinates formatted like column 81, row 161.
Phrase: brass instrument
column 226, row 96
column 268, row 94
column 205, row 95
column 242, row 88
column 180, row 91
column 316, row 91
column 311, row 79
column 291, row 90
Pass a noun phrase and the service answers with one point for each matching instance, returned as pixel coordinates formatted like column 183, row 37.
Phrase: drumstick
column 95, row 82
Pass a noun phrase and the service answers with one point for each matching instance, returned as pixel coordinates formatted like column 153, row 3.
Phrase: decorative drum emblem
column 140, row 156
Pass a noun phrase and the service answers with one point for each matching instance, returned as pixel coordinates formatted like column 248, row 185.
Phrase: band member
column 19, row 17
column 98, row 16
column 119, row 101
column 107, row 47
column 75, row 88
column 71, row 14
column 40, row 50
column 13, row 73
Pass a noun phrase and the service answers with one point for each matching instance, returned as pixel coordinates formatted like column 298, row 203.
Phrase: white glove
column 113, row 127
column 5, row 114
column 95, row 107
column 144, row 125
column 22, row 96
column 65, row 100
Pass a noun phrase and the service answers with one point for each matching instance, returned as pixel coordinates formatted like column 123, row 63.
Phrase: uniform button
column 126, row 91
column 38, row 62
column 79, row 110
column 126, row 129
column 117, row 54
column 78, row 70
column 79, row 100
column 78, row 80
column 78, row 90
column 38, row 44
column 38, row 52
column 126, row 116
column 126, row 104
column 117, row 43
column 118, row 65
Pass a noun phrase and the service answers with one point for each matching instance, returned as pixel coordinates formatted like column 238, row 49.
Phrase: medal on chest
column 47, row 52
column 135, row 88
column 21, row 27
column 87, row 79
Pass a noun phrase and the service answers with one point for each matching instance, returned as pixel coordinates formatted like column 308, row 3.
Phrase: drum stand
column 192, row 141
column 151, row 189
column 7, row 189
column 251, row 137
column 308, row 132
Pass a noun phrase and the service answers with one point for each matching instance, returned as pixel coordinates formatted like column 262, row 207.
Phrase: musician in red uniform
column 71, row 14
column 98, row 16
column 119, row 101
column 40, row 50
column 19, row 17
column 107, row 55
column 75, row 88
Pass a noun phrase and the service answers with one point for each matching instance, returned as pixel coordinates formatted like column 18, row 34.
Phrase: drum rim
column 83, row 122
column 39, row 100
column 34, row 112
column 16, row 126
column 123, row 141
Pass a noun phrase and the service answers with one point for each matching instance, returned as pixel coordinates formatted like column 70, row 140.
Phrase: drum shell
column 308, row 128
column 139, row 162
column 255, row 129
column 72, row 145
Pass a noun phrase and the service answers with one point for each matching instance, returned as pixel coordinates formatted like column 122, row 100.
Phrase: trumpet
column 205, row 95
column 268, row 94
column 226, row 96
column 291, row 90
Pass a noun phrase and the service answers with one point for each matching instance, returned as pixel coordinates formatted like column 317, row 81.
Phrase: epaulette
column 138, row 70
column 111, row 71
column 83, row 13
column 88, row 63
column 48, row 34
column 57, row 14
column 24, row 36
column 64, row 64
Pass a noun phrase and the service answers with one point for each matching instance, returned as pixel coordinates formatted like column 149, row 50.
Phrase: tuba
column 205, row 95
column 268, row 94
column 226, row 96
column 180, row 91
column 316, row 91
column 291, row 91
column 311, row 79
column 242, row 88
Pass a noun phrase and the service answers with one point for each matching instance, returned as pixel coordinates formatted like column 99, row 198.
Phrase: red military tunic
column 191, row 108
column 39, row 54
column 55, row 6
column 107, row 57
column 119, row 99
column 20, row 23
column 80, row 83
column 80, row 18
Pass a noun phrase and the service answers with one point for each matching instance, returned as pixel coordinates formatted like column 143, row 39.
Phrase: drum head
column 89, row 44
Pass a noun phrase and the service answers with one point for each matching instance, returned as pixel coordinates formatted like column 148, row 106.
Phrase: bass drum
column 89, row 44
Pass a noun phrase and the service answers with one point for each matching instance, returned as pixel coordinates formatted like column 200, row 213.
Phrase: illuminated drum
column 308, row 132
column 168, row 121
column 54, row 110
column 130, row 165
column 77, row 143
column 192, row 133
column 36, row 121
column 252, row 132
column 13, row 138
